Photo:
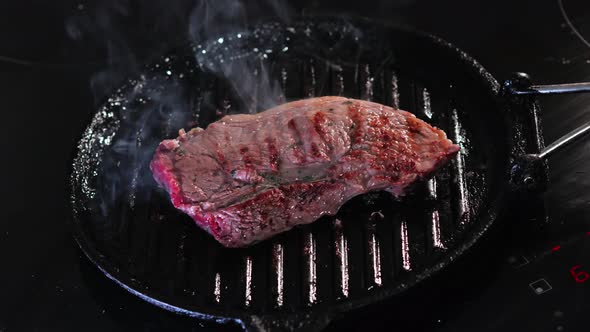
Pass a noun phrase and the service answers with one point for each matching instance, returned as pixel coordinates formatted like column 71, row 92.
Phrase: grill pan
column 375, row 246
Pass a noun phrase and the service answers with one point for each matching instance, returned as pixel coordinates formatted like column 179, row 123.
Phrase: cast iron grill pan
column 374, row 247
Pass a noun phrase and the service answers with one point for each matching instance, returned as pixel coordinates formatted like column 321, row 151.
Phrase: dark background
column 49, row 89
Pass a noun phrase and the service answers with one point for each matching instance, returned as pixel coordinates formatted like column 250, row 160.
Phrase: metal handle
column 520, row 84
column 552, row 89
column 565, row 140
column 529, row 171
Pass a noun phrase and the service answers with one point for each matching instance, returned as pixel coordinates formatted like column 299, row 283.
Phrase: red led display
column 556, row 248
column 578, row 274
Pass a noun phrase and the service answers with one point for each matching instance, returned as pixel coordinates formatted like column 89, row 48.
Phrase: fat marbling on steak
column 248, row 177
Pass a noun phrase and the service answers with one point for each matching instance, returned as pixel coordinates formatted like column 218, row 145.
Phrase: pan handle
column 565, row 140
column 528, row 168
column 552, row 89
column 520, row 84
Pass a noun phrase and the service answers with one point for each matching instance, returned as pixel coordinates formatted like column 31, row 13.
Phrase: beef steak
column 248, row 177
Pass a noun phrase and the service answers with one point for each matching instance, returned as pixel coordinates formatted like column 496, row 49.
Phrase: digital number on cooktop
column 579, row 274
column 571, row 256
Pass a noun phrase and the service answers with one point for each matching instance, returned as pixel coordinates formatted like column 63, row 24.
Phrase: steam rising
column 130, row 34
column 122, row 35
column 225, row 21
column 151, row 109
column 127, row 34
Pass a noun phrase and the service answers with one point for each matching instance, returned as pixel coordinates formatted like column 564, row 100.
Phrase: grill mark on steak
column 319, row 120
column 260, row 183
column 323, row 125
column 315, row 151
column 273, row 154
column 227, row 138
column 357, row 132
column 221, row 159
column 245, row 156
column 297, row 148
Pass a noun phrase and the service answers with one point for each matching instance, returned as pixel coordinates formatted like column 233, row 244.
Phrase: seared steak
column 248, row 177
